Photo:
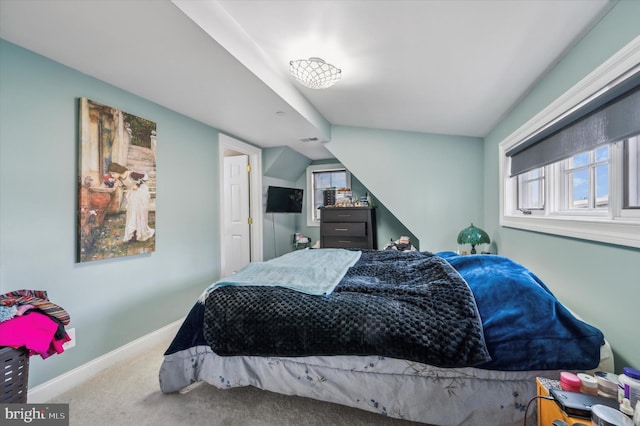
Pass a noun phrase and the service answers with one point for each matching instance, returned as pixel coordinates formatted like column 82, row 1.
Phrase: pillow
column 525, row 326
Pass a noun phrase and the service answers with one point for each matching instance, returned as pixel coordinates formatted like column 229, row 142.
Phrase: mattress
column 388, row 386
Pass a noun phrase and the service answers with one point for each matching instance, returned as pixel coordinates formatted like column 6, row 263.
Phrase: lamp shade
column 472, row 235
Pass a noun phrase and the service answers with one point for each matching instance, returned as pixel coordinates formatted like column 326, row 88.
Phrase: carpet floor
column 128, row 394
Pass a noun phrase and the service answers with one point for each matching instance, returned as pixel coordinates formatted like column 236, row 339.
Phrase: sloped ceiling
column 435, row 66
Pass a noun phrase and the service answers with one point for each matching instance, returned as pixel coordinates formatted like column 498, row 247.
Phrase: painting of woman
column 137, row 199
column 116, row 183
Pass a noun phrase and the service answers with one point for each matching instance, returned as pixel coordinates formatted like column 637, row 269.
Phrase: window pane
column 602, row 153
column 579, row 182
column 317, row 198
column 580, row 160
column 326, row 180
column 531, row 190
column 535, row 194
column 602, row 185
column 319, row 178
column 332, row 179
column 339, row 179
column 322, row 180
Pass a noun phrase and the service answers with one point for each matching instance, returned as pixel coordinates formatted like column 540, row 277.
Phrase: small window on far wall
column 319, row 178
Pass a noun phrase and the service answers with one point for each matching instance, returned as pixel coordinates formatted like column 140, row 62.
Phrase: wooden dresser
column 348, row 227
column 548, row 410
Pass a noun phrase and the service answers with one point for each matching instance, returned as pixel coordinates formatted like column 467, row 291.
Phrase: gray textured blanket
column 407, row 305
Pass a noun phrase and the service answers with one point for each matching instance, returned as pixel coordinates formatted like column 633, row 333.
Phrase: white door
column 236, row 229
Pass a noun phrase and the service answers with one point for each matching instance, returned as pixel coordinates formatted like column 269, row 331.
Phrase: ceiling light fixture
column 315, row 73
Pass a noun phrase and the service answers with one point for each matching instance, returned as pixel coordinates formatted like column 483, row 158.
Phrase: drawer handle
column 344, row 241
column 341, row 229
column 344, row 215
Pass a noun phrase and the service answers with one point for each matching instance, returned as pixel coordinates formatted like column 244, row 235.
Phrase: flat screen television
column 284, row 200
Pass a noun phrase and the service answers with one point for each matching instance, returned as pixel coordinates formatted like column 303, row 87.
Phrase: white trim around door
column 228, row 144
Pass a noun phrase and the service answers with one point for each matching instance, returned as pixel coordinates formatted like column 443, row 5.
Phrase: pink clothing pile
column 35, row 323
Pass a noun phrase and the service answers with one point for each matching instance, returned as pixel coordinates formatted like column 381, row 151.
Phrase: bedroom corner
column 111, row 301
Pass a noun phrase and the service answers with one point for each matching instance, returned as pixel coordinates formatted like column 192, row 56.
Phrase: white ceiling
column 435, row 66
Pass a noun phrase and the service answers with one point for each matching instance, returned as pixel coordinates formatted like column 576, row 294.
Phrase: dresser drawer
column 344, row 215
column 345, row 242
column 333, row 229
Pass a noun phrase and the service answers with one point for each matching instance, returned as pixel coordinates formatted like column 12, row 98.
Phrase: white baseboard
column 58, row 385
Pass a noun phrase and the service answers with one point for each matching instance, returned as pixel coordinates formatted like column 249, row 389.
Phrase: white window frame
column 563, row 190
column 310, row 189
column 619, row 226
column 634, row 167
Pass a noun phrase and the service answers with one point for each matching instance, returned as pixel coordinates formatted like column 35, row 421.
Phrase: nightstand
column 548, row 410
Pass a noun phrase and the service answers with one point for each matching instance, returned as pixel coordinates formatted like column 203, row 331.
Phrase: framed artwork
column 116, row 183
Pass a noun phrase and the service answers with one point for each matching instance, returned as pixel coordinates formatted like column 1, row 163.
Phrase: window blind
column 611, row 116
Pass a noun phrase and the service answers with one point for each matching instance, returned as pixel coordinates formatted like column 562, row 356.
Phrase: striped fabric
column 37, row 298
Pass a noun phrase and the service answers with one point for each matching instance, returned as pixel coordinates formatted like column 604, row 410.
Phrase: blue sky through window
column 581, row 185
column 580, row 178
column 602, row 181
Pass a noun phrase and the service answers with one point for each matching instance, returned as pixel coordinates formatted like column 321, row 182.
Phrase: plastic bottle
column 629, row 386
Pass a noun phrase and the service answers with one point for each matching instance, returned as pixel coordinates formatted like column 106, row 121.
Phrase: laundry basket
column 14, row 365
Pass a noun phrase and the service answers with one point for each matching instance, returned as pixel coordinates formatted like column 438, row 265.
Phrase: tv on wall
column 284, row 200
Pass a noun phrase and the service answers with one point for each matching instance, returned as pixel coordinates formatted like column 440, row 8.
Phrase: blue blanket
column 525, row 326
column 406, row 305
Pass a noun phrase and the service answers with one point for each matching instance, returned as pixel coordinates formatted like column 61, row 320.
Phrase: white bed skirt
column 397, row 388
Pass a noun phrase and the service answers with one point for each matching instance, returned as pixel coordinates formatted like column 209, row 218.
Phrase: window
column 319, row 178
column 586, row 180
column 531, row 190
column 574, row 169
column 583, row 184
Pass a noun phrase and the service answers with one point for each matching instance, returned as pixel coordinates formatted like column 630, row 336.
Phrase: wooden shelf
column 548, row 410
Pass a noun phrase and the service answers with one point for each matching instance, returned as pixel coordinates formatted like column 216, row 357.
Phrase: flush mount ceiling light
column 315, row 73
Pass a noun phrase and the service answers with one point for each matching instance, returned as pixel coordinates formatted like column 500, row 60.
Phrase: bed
column 349, row 327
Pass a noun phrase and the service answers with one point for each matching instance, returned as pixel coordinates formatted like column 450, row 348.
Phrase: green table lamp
column 472, row 235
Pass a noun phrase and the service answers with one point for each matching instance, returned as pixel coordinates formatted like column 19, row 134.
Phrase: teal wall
column 283, row 163
column 278, row 228
column 283, row 166
column 431, row 183
column 598, row 281
column 387, row 225
column 111, row 302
